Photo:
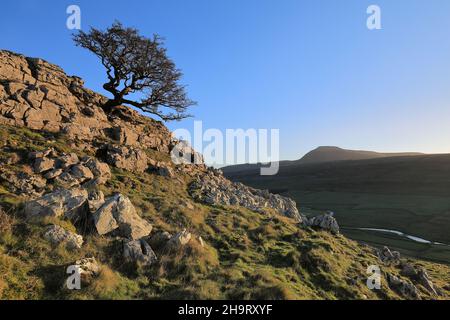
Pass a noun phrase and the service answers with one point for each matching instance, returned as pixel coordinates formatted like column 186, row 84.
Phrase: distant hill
column 330, row 154
column 325, row 154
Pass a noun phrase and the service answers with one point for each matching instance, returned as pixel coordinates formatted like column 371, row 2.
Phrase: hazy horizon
column 362, row 150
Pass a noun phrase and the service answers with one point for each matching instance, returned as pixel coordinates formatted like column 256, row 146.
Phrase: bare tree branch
column 136, row 64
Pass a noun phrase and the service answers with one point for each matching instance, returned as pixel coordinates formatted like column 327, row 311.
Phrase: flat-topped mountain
column 322, row 155
column 330, row 154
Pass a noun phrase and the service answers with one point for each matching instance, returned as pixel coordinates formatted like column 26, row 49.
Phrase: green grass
column 247, row 255
column 411, row 195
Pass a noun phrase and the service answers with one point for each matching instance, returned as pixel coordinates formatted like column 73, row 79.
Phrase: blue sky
column 309, row 68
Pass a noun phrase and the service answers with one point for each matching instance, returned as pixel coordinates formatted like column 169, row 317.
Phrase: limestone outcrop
column 70, row 204
column 325, row 222
column 41, row 96
column 388, row 257
column 68, row 171
column 213, row 188
column 403, row 287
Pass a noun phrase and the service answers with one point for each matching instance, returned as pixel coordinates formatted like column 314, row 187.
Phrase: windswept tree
column 136, row 65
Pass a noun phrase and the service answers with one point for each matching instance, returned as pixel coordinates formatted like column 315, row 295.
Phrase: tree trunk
column 109, row 106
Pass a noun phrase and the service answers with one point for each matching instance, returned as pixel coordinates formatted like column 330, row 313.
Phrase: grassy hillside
column 247, row 255
column 408, row 194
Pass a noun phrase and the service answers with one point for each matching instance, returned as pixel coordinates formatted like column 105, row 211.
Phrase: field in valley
column 406, row 194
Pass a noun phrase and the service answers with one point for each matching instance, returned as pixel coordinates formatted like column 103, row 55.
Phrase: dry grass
column 190, row 260
column 6, row 221
column 276, row 292
column 106, row 282
column 3, row 286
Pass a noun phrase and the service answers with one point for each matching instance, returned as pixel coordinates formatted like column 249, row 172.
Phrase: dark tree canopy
column 135, row 64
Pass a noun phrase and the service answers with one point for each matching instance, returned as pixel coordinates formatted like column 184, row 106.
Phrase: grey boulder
column 70, row 204
column 389, row 257
column 180, row 239
column 56, row 235
column 404, row 288
column 325, row 222
column 119, row 213
column 138, row 251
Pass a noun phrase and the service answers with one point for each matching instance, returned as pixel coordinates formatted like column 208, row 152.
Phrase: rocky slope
column 100, row 191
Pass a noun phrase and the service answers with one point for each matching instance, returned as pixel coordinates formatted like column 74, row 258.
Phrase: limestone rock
column 119, row 213
column 88, row 268
column 214, row 189
column 424, row 279
column 404, row 288
column 125, row 136
column 68, row 160
column 419, row 276
column 180, row 239
column 69, row 171
column 81, row 173
column 161, row 168
column 39, row 95
column 53, row 174
column 388, row 257
column 182, row 152
column 56, row 235
column 140, row 252
column 39, row 154
column 99, row 169
column 160, row 239
column 127, row 158
column 104, row 219
column 43, row 165
column 71, row 204
column 408, row 270
column 96, row 199
column 23, row 183
column 325, row 222
column 67, row 180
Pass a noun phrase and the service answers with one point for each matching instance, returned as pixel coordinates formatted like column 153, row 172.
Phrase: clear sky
column 308, row 67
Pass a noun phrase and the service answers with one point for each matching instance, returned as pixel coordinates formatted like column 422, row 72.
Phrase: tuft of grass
column 47, row 221
column 106, row 283
column 188, row 262
column 6, row 222
column 16, row 280
column 276, row 292
column 3, row 286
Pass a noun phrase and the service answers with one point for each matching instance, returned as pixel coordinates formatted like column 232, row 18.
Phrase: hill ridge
column 324, row 154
